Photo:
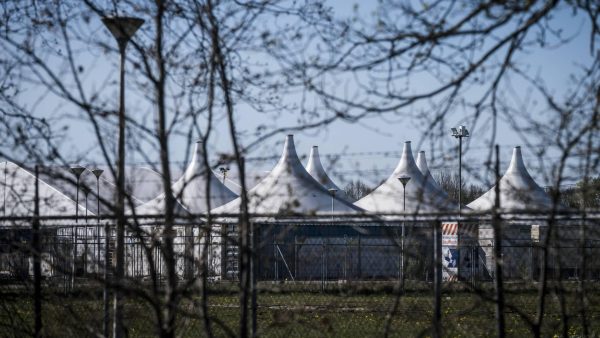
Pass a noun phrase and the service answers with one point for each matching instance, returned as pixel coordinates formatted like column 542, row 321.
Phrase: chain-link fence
column 342, row 276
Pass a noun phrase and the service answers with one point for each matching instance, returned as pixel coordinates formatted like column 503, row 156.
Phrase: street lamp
column 404, row 180
column 332, row 192
column 105, row 294
column 122, row 28
column 77, row 171
column 86, row 191
column 98, row 172
column 459, row 134
column 224, row 171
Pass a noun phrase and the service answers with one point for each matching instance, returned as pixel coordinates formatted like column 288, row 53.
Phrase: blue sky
column 365, row 143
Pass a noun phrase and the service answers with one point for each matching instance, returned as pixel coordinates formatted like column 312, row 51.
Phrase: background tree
column 357, row 189
column 449, row 183
column 196, row 62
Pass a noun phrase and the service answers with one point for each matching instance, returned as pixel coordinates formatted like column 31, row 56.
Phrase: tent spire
column 424, row 168
column 316, row 170
column 518, row 190
column 289, row 188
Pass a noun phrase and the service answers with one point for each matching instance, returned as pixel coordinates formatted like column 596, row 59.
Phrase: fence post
column 253, row 272
column 345, row 258
column 36, row 252
column 323, row 266
column 74, row 252
column 105, row 291
column 295, row 256
column 326, row 265
column 437, row 279
column 499, row 288
column 402, row 261
column 275, row 268
column 359, row 259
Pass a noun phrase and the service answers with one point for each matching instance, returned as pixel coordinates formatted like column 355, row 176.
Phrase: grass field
column 303, row 313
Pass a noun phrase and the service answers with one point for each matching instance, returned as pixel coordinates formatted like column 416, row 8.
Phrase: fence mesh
column 307, row 276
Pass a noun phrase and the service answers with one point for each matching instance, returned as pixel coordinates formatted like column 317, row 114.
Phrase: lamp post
column 77, row 171
column 86, row 191
column 332, row 192
column 105, row 295
column 98, row 172
column 224, row 171
column 404, row 180
column 122, row 28
column 460, row 133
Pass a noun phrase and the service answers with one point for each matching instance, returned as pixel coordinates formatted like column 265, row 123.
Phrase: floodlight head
column 97, row 172
column 404, row 180
column 332, row 191
column 122, row 27
column 460, row 132
column 77, row 170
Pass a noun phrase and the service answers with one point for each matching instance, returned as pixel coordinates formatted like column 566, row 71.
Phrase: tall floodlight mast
column 460, row 133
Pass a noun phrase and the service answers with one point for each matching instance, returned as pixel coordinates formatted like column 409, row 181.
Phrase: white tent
column 424, row 169
column 140, row 183
column 421, row 195
column 518, row 191
column 157, row 207
column 18, row 195
column 190, row 190
column 316, row 170
column 289, row 188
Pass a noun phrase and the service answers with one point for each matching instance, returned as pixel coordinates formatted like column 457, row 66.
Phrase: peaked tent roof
column 289, row 188
column 424, row 169
column 518, row 191
column 316, row 170
column 18, row 195
column 421, row 195
column 190, row 190
column 156, row 206
column 62, row 179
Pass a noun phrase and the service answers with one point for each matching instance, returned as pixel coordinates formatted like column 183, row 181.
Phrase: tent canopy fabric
column 316, row 170
column 157, row 206
column 289, row 189
column 421, row 195
column 190, row 190
column 18, row 195
column 518, row 191
column 136, row 180
column 424, row 169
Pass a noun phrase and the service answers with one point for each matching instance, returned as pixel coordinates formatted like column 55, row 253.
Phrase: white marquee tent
column 518, row 191
column 421, row 195
column 289, row 188
column 18, row 195
column 190, row 190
